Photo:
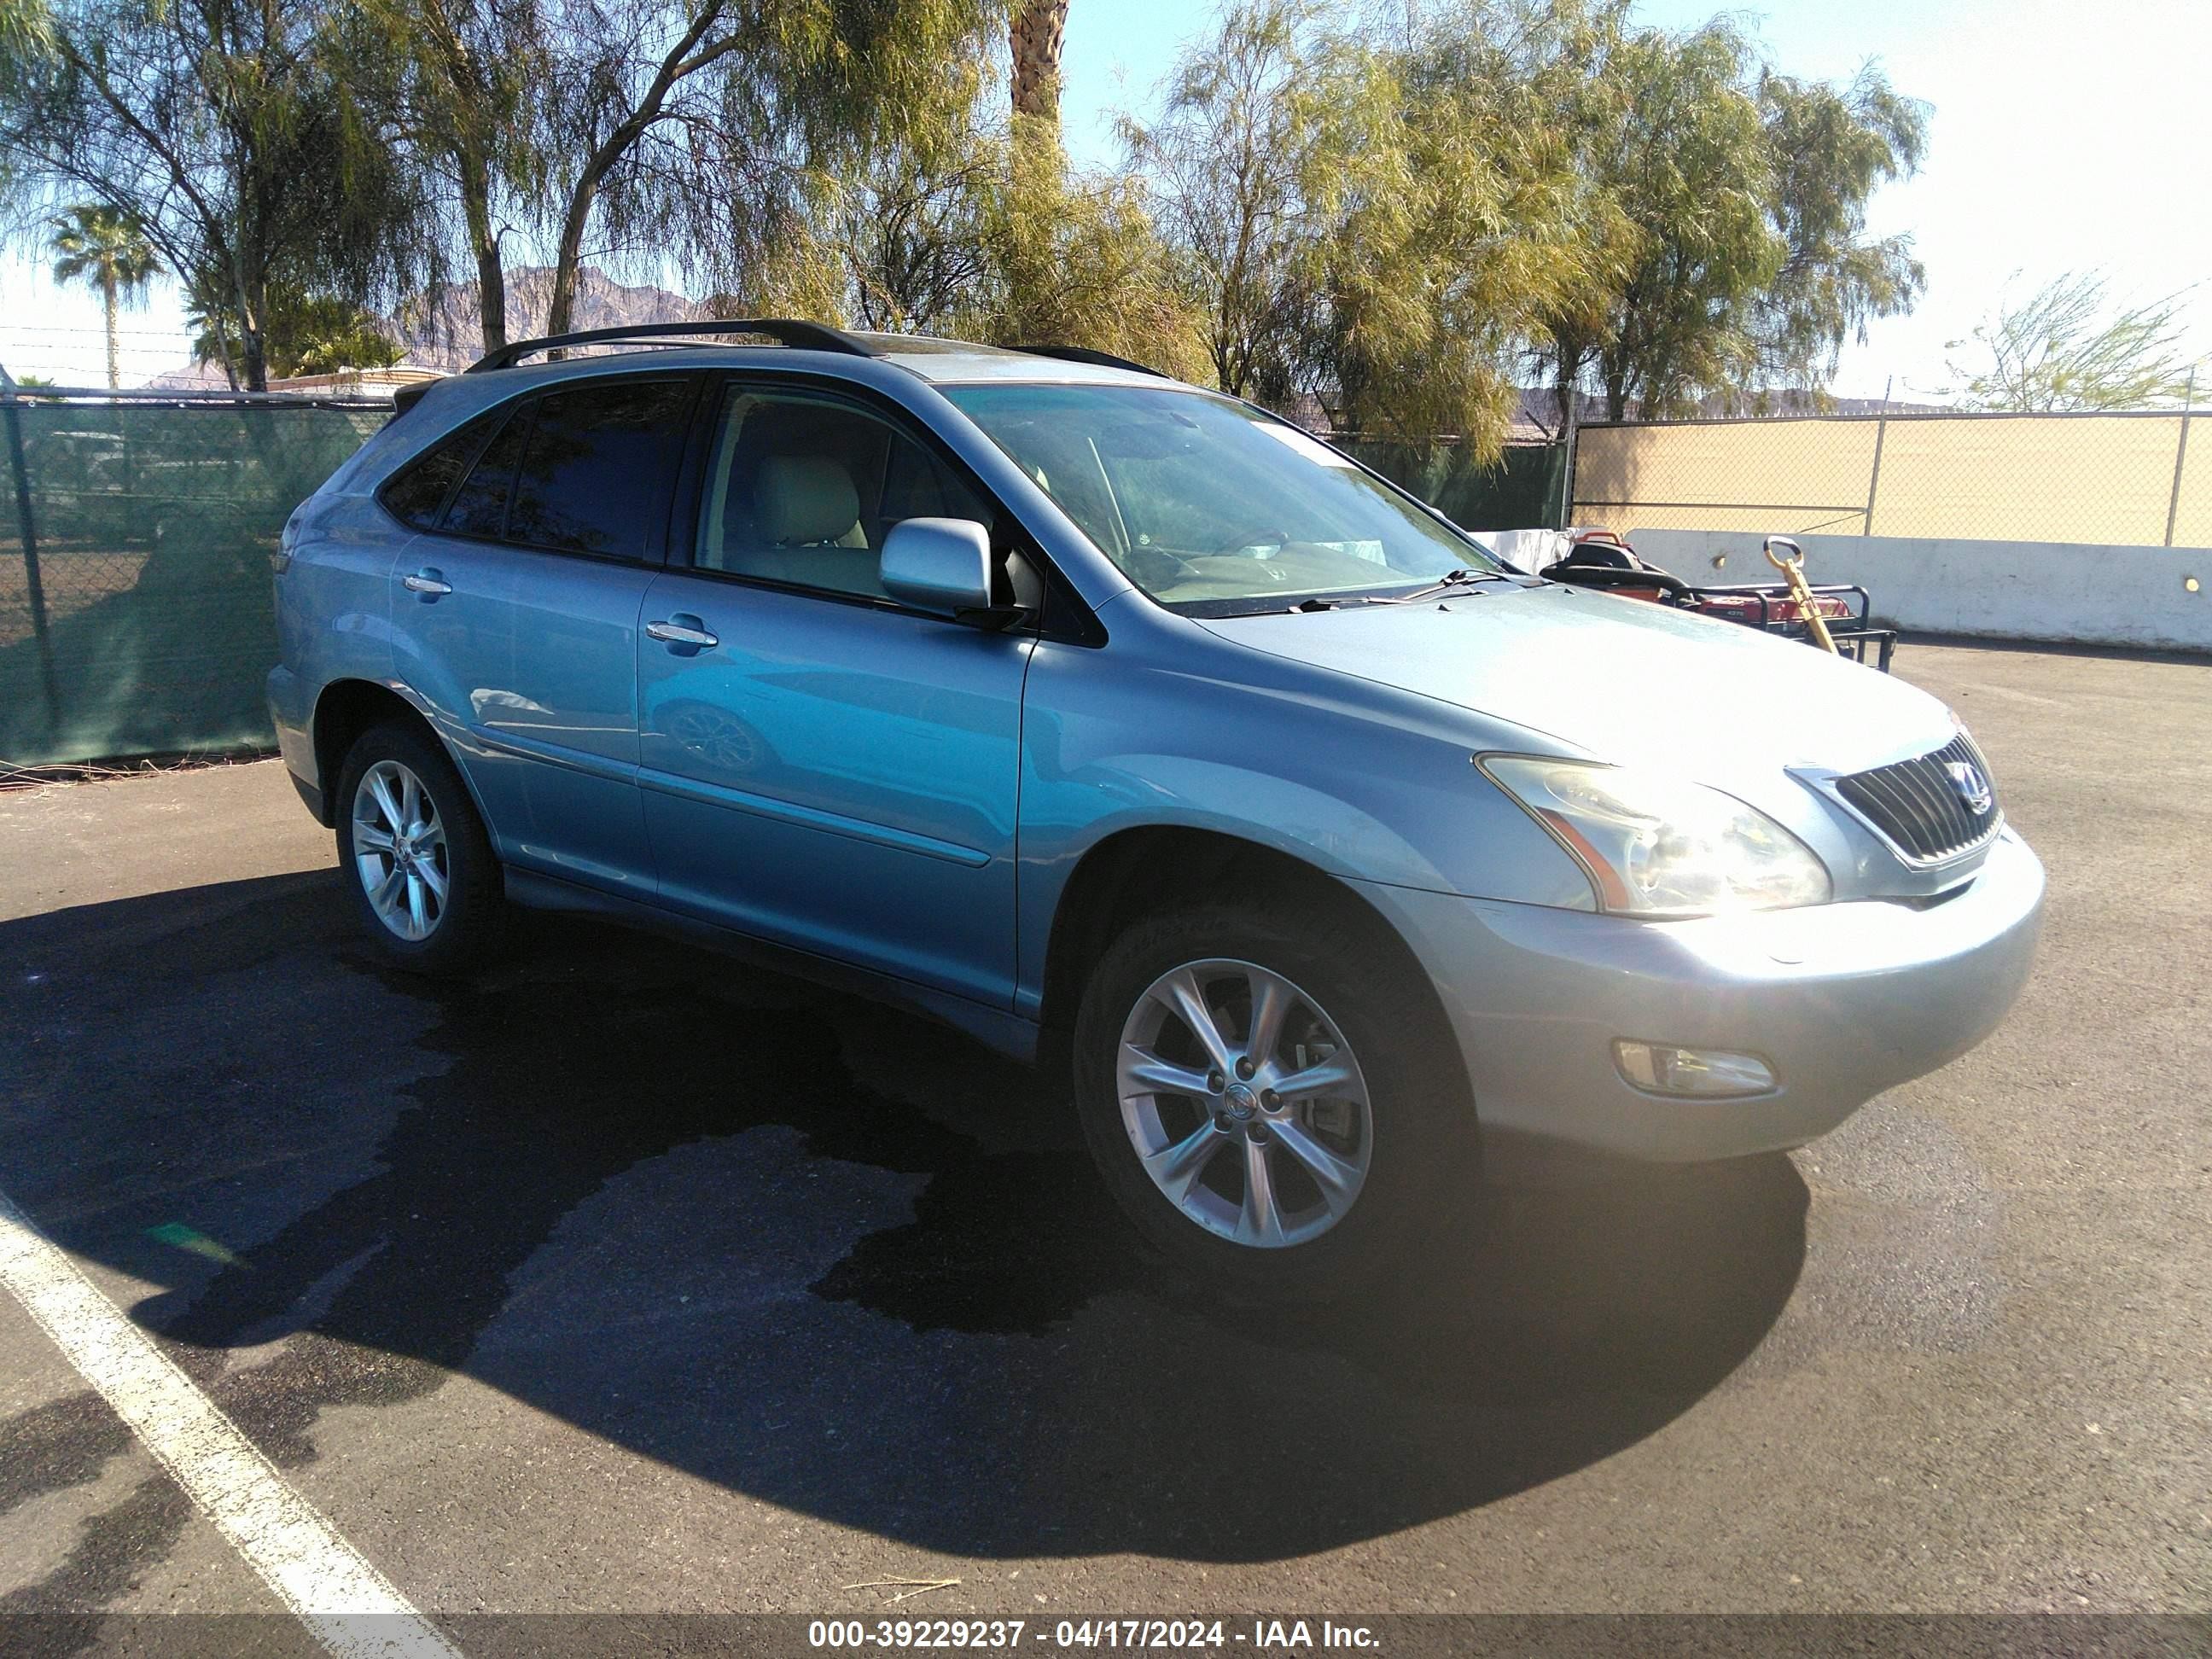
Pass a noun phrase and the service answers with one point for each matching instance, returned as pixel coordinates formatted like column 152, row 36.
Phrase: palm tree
column 1036, row 32
column 105, row 248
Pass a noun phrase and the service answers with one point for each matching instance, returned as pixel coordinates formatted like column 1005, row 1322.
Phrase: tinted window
column 597, row 461
column 420, row 488
column 803, row 489
column 480, row 507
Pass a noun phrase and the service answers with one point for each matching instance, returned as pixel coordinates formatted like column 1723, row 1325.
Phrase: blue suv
column 1124, row 725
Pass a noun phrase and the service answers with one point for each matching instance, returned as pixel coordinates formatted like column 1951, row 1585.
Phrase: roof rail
column 813, row 337
column 1085, row 355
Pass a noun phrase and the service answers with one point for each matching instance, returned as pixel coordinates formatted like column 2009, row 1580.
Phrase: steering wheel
column 1162, row 566
column 1240, row 544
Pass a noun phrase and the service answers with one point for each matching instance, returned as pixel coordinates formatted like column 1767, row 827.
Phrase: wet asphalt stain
column 106, row 1562
column 51, row 1447
column 654, row 1195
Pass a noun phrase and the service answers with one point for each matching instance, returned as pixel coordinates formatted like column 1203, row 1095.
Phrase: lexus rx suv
column 1135, row 730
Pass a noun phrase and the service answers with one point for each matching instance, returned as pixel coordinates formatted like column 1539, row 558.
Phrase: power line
column 92, row 330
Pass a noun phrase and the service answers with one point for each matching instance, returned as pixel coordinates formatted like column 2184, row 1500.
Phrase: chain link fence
column 2108, row 479
column 136, row 608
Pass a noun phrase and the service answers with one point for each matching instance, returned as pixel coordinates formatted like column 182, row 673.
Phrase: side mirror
column 942, row 566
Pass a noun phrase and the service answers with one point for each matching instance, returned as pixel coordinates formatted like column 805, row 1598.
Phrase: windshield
column 1210, row 507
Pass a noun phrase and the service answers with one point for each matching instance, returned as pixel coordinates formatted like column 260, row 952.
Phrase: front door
column 821, row 766
column 515, row 616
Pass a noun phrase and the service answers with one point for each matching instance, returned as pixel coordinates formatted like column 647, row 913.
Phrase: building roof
column 353, row 379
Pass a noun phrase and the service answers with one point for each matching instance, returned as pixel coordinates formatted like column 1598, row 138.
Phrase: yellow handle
column 1793, row 572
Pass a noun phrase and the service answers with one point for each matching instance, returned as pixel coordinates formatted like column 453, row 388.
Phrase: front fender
column 1355, row 780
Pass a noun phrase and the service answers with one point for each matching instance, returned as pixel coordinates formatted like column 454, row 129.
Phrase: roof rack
column 1085, row 355
column 813, row 337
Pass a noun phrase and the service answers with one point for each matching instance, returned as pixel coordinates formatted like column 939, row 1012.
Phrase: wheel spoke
column 1178, row 1165
column 1271, row 1006
column 418, row 910
column 1182, row 992
column 380, row 787
column 371, row 838
column 410, row 801
column 1260, row 1220
column 1337, row 1179
column 434, row 879
column 1142, row 1070
column 386, row 897
column 1329, row 1075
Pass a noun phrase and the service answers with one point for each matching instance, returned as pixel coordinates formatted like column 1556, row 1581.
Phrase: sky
column 2065, row 135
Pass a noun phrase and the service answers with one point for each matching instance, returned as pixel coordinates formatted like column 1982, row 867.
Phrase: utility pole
column 1873, row 478
column 34, row 582
column 2180, row 454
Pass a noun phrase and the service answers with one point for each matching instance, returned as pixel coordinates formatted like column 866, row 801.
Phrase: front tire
column 1271, row 1103
column 414, row 854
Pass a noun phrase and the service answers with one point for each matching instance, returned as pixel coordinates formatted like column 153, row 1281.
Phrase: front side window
column 1211, row 507
column 803, row 488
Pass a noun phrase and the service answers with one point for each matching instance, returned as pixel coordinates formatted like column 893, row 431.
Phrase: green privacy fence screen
column 136, row 608
column 1521, row 491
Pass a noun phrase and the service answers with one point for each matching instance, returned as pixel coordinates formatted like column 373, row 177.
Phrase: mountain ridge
column 443, row 330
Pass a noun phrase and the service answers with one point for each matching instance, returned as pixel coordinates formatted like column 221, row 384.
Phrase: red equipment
column 1794, row 610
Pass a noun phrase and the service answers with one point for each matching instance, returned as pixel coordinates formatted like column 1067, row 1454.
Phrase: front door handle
column 685, row 633
column 429, row 583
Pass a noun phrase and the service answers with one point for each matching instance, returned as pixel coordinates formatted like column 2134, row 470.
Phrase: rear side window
column 596, row 464
column 418, row 490
column 479, row 507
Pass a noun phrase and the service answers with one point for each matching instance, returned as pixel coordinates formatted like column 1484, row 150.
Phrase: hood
column 1623, row 680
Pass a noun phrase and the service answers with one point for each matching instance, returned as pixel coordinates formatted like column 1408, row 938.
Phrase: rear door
column 515, row 615
column 822, row 766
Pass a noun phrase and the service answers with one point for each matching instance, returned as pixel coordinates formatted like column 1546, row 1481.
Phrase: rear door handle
column 428, row 582
column 681, row 631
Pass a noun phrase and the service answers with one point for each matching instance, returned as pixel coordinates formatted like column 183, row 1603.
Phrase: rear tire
column 414, row 856
column 1197, row 1147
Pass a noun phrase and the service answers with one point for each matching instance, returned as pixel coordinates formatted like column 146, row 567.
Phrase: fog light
column 1708, row 1072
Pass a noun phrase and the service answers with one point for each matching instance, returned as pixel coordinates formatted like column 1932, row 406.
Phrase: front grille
column 1919, row 806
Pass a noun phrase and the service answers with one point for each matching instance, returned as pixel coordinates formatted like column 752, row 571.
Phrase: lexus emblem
column 1969, row 785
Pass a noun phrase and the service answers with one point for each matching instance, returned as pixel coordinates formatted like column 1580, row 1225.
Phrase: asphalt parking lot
column 624, row 1277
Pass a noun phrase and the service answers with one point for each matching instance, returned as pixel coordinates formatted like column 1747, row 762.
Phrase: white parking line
column 347, row 1604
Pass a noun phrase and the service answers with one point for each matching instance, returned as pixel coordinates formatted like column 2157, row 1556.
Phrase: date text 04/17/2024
column 1262, row 1635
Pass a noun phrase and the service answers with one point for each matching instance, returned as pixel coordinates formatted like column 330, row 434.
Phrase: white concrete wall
column 2056, row 591
column 1530, row 549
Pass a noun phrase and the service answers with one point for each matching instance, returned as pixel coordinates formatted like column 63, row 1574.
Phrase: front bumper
column 1842, row 1000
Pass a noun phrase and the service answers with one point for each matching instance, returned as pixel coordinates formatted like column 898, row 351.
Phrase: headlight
column 1657, row 846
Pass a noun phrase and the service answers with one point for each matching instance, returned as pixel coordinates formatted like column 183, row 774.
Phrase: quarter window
column 420, row 488
column 479, row 507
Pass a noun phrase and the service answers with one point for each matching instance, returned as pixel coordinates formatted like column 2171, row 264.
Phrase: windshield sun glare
column 1212, row 507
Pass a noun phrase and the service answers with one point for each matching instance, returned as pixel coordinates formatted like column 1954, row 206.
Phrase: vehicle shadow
column 825, row 1254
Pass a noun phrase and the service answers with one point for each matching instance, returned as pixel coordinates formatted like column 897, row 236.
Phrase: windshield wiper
column 1344, row 601
column 1449, row 580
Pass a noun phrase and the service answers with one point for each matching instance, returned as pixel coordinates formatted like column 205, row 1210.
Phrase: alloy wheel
column 1244, row 1103
column 399, row 852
